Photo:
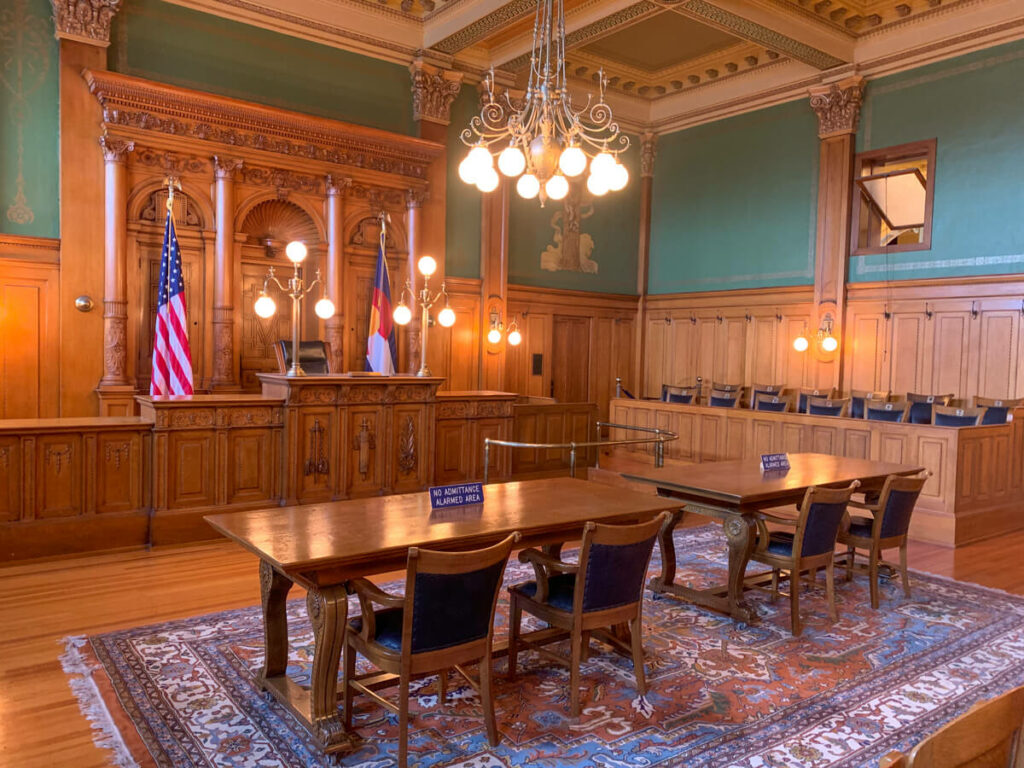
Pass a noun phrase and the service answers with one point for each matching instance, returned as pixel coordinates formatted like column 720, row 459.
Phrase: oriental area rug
column 183, row 693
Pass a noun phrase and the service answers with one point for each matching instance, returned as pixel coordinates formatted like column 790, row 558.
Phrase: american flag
column 172, row 359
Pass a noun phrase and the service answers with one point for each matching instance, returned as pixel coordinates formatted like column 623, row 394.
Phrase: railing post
column 618, row 386
column 659, row 452
column 597, row 426
column 487, row 458
column 572, row 459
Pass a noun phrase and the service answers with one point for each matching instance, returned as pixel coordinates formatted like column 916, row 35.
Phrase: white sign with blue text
column 774, row 462
column 442, row 496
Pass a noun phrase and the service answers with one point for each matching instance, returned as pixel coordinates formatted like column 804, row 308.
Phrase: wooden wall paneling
column 29, row 339
column 258, row 335
column 997, row 356
column 500, row 465
column 947, row 346
column 679, row 353
column 659, row 358
column 762, row 346
column 249, row 455
column 192, row 469
column 793, row 367
column 707, row 350
column 120, row 459
column 570, row 359
column 11, row 479
column 908, row 353
column 731, row 350
column 866, row 348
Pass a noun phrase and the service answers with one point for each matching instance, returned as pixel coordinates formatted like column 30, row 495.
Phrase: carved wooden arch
column 362, row 228
column 139, row 197
column 245, row 207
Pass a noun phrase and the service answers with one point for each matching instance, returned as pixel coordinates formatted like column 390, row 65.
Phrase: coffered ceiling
column 669, row 63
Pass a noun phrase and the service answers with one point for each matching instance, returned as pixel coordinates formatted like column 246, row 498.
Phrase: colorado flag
column 381, row 345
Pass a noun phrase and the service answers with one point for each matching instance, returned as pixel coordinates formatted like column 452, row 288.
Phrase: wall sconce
column 297, row 290
column 402, row 315
column 826, row 340
column 497, row 329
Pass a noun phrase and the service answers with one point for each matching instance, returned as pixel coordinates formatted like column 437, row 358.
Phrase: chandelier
column 543, row 140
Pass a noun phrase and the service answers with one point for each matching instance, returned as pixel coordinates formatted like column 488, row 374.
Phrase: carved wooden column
column 114, row 390
column 224, row 368
column 334, row 327
column 648, row 151
column 413, row 203
column 837, row 106
column 494, row 281
column 82, row 28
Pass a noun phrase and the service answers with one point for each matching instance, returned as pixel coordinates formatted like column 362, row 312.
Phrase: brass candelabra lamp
column 402, row 315
column 298, row 290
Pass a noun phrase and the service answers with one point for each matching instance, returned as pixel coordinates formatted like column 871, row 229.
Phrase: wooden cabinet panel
column 316, row 430
column 10, row 479
column 410, row 453
column 735, row 438
column 998, row 355
column 763, row 344
column 866, row 351
column 452, row 460
column 706, row 338
column 495, row 429
column 59, row 468
column 824, row 439
column 656, row 357
column 570, row 363
column 908, row 353
column 251, row 453
column 191, row 469
column 763, row 437
column 857, row 443
column 948, row 346
column 366, row 445
column 119, row 472
column 730, row 351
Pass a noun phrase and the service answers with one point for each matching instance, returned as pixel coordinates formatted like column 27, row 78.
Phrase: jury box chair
column 885, row 528
column 314, row 356
column 444, row 620
column 875, row 410
column 764, row 389
column 822, row 406
column 767, row 402
column 810, row 545
column 954, row 416
column 678, row 394
column 860, row 398
column 921, row 406
column 989, row 735
column 603, row 590
column 997, row 409
column 723, row 399
column 805, row 393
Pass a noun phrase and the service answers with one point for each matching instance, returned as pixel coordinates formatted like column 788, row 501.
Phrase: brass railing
column 661, row 436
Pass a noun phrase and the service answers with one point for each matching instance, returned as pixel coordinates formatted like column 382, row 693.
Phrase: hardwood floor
column 40, row 603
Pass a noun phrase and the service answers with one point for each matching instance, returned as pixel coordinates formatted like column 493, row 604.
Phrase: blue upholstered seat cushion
column 879, row 414
column 952, row 420
column 861, row 527
column 560, row 590
column 920, row 413
column 722, row 402
column 388, row 623
column 857, row 405
column 675, row 397
column 780, row 543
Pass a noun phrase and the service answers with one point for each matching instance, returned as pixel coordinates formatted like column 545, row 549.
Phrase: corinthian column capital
column 433, row 91
column 116, row 150
column 226, row 167
column 87, row 21
column 838, row 106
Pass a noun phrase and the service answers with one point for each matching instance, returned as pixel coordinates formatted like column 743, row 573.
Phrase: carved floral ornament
column 433, row 91
column 838, row 106
column 87, row 21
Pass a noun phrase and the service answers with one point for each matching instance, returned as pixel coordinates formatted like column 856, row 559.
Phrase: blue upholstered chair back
column 806, row 395
column 897, row 511
column 953, row 420
column 722, row 402
column 675, row 397
column 921, row 406
column 828, row 408
column 822, row 527
column 995, row 414
column 615, row 574
column 453, row 608
column 883, row 411
column 857, row 408
column 770, row 403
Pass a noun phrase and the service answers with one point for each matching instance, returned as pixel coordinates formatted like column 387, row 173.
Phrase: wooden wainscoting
column 536, row 421
column 29, row 327
column 454, row 353
column 464, row 420
column 973, row 493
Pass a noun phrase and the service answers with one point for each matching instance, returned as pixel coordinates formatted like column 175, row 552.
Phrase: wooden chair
column 764, row 389
column 998, row 409
column 673, row 394
column 822, row 406
column 767, row 402
column 721, row 399
column 921, row 406
column 603, row 590
column 809, row 547
column 885, row 529
column 950, row 416
column 805, row 393
column 885, row 411
column 445, row 619
column 859, row 399
column 717, row 386
column 314, row 356
column 989, row 735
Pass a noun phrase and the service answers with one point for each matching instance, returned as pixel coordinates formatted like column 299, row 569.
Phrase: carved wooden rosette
column 433, row 91
column 87, row 21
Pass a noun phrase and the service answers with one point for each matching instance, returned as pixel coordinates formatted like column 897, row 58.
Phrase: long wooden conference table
column 323, row 546
column 733, row 492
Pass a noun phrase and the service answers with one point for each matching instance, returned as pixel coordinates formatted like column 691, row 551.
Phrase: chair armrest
column 776, row 519
column 861, row 505
column 370, row 594
column 542, row 563
column 894, row 760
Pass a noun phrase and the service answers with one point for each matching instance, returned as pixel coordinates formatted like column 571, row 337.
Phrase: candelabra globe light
column 800, row 344
column 324, row 308
column 557, row 187
column 830, row 344
column 573, row 161
column 528, row 186
column 602, row 164
column 618, row 177
column 446, row 317
column 511, row 161
column 494, row 336
column 479, row 158
column 596, row 185
column 402, row 314
column 467, row 171
column 427, row 265
column 295, row 251
column 487, row 180
column 514, row 338
column 264, row 306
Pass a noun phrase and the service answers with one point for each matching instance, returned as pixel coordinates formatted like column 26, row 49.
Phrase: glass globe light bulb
column 618, row 178
column 295, row 251
column 402, row 314
column 800, row 343
column 596, row 185
column 602, row 164
column 324, row 308
column 468, row 171
column 487, row 180
column 427, row 265
column 511, row 161
column 573, row 161
column 830, row 344
column 494, row 336
column 480, row 158
column 514, row 338
column 264, row 306
column 528, row 187
column 557, row 187
column 446, row 317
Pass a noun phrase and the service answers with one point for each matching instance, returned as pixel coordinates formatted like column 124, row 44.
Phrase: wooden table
column 323, row 546
column 733, row 491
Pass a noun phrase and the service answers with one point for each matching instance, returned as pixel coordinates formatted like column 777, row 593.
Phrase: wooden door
column 29, row 342
column 258, row 335
column 570, row 359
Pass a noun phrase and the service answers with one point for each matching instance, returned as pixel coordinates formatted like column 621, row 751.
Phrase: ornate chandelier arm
column 271, row 276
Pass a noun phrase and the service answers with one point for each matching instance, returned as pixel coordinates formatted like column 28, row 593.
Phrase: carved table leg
column 668, row 553
column 328, row 613
column 274, row 589
column 741, row 531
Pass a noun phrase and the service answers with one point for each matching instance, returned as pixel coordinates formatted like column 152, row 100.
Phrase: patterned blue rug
column 183, row 693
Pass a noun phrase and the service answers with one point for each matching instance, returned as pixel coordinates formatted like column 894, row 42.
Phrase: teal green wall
column 973, row 106
column 734, row 203
column 613, row 224
column 29, row 150
column 462, row 210
column 165, row 42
